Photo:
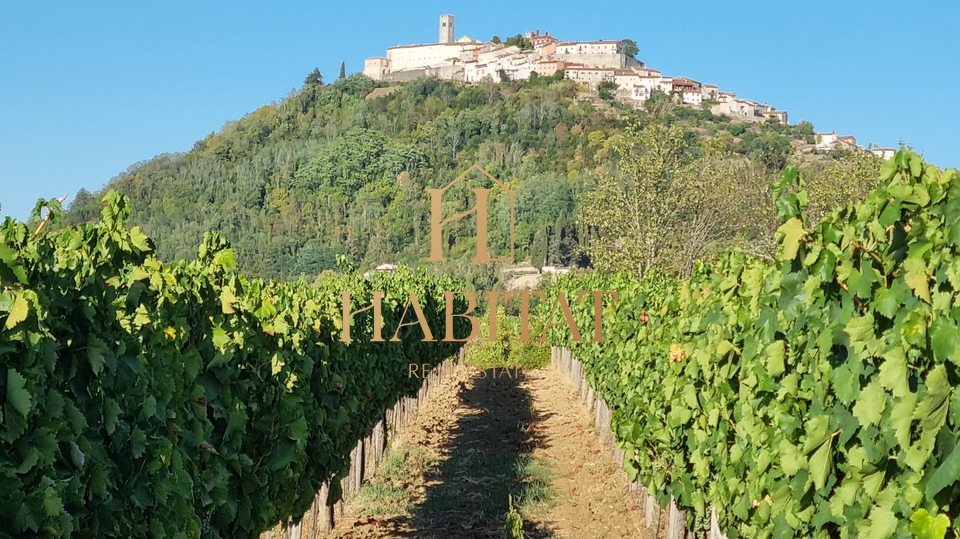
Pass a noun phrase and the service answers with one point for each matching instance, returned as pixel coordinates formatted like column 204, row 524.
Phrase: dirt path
column 484, row 438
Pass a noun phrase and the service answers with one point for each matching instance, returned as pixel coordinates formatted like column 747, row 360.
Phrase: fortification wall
column 614, row 61
column 449, row 72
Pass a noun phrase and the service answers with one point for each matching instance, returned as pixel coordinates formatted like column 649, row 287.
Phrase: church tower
column 446, row 29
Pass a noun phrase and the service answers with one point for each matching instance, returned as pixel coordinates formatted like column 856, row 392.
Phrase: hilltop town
column 593, row 64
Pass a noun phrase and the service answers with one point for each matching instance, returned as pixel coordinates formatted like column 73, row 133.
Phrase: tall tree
column 664, row 207
column 314, row 78
column 343, row 70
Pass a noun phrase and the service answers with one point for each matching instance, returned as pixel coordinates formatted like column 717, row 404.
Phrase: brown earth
column 480, row 438
column 380, row 92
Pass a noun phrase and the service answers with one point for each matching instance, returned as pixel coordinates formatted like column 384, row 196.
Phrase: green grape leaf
column 945, row 339
column 887, row 301
column 925, row 526
column 138, row 274
column 142, row 317
column 775, row 354
column 17, row 394
column 95, row 354
column 220, row 337
column 888, row 169
column 33, row 456
column 946, row 474
column 140, row 240
column 872, row 483
column 227, row 300
column 8, row 257
column 791, row 461
column 916, row 277
column 861, row 330
column 149, row 406
column 916, row 165
column 18, row 313
column 870, row 404
column 76, row 455
column 792, row 232
column 224, row 258
column 298, row 430
column 821, row 462
column 52, row 503
column 881, row 524
column 901, row 416
column 893, row 372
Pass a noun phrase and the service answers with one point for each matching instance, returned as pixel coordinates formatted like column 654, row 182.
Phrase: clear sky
column 89, row 88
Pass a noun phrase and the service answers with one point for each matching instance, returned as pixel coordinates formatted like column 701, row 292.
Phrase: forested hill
column 342, row 168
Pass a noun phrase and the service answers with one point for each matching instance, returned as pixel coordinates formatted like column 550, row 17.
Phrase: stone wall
column 612, row 61
column 449, row 72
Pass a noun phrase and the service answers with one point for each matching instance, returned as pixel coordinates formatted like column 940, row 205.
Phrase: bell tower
column 446, row 28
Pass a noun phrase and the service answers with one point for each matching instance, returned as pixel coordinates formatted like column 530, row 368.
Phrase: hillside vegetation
column 332, row 170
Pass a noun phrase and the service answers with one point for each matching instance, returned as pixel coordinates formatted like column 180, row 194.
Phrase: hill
column 341, row 168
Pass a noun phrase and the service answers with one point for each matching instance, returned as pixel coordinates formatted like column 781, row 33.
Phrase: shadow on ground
column 484, row 460
column 487, row 459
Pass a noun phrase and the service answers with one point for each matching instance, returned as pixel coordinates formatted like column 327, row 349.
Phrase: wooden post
column 715, row 532
column 677, row 523
column 296, row 531
column 653, row 513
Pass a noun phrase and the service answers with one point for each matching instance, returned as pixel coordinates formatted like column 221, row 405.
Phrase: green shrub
column 508, row 350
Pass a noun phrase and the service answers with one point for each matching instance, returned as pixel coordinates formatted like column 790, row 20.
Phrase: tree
column 314, row 78
column 538, row 249
column 630, row 48
column 606, row 89
column 352, row 161
column 737, row 129
column 519, row 41
column 659, row 104
column 343, row 70
column 770, row 149
column 662, row 208
column 495, row 39
column 840, row 182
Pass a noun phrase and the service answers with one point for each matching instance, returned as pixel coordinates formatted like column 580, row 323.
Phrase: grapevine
column 173, row 400
column 812, row 397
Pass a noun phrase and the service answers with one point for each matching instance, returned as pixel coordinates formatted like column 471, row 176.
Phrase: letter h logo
column 437, row 221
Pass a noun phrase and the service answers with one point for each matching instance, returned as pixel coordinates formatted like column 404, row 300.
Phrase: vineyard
column 809, row 398
column 182, row 400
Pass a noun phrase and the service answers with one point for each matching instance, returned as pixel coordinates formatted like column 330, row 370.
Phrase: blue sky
column 89, row 88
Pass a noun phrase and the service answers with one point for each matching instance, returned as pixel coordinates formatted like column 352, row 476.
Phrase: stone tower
column 446, row 28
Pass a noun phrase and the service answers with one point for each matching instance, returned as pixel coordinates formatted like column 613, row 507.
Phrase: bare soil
column 487, row 436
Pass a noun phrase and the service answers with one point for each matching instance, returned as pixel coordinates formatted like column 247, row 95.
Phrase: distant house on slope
column 383, row 268
column 539, row 41
column 884, row 153
column 689, row 90
column 829, row 141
